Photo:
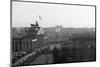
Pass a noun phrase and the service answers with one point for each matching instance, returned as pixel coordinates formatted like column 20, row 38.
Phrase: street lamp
column 46, row 51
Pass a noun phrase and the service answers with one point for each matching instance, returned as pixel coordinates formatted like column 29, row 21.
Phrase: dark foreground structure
column 34, row 48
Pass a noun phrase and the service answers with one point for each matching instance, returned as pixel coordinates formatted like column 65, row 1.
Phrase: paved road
column 37, row 52
column 43, row 59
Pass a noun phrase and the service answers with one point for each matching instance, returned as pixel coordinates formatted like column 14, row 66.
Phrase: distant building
column 58, row 28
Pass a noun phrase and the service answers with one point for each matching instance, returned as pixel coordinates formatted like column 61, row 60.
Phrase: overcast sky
column 24, row 13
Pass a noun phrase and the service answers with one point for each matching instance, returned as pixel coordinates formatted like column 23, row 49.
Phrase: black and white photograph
column 45, row 33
